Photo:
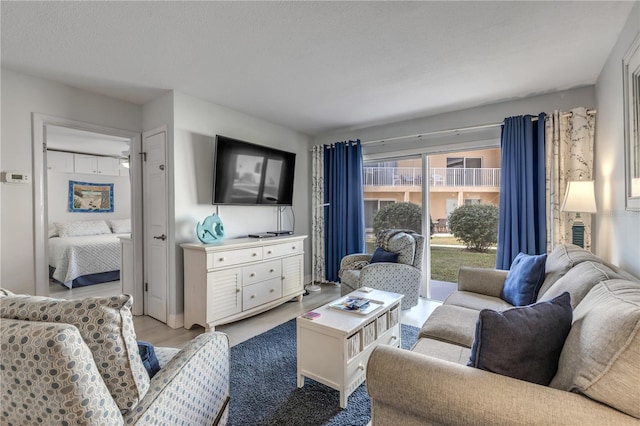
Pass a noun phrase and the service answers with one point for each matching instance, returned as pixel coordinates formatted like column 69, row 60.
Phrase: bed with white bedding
column 76, row 260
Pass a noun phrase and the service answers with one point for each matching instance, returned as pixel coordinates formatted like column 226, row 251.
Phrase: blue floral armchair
column 404, row 277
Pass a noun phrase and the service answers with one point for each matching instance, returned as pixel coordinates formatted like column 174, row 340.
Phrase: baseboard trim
column 175, row 320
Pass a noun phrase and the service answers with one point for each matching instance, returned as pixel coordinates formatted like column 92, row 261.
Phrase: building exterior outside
column 454, row 179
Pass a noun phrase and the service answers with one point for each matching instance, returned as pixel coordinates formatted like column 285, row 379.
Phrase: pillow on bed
column 120, row 226
column 82, row 228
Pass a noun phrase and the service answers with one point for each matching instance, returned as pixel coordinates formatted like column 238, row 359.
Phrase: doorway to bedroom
column 88, row 211
column 77, row 172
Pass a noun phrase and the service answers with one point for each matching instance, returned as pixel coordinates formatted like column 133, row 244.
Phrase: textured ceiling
column 316, row 66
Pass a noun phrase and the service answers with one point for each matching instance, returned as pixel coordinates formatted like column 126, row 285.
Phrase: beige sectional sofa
column 598, row 376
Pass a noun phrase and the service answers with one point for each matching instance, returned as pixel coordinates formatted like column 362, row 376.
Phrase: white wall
column 617, row 230
column 58, row 197
column 192, row 127
column 23, row 95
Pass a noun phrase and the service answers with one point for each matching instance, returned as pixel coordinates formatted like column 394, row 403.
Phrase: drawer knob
column 361, row 367
column 254, row 254
column 237, row 290
column 272, row 290
column 293, row 248
column 394, row 337
column 253, row 296
column 222, row 259
column 269, row 252
column 271, row 270
column 253, row 274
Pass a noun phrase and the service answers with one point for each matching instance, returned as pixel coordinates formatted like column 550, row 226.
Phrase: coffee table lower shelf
column 334, row 348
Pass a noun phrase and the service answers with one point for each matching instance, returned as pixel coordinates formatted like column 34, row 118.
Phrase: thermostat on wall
column 15, row 177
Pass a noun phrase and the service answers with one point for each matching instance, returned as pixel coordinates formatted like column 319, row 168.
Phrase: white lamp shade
column 580, row 197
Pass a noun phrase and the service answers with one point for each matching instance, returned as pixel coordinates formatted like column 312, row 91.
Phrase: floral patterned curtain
column 569, row 157
column 317, row 215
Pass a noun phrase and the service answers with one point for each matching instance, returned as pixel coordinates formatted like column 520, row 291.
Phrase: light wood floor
column 60, row 291
column 160, row 334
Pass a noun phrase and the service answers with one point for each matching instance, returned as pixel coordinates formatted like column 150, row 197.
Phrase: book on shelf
column 356, row 305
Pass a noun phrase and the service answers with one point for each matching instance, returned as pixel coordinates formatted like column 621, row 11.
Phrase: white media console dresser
column 241, row 277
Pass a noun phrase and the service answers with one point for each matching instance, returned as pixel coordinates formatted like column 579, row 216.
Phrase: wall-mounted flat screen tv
column 249, row 174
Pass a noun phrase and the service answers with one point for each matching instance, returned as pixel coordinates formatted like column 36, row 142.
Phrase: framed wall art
column 631, row 84
column 86, row 197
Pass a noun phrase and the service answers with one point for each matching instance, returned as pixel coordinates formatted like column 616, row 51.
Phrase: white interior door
column 156, row 241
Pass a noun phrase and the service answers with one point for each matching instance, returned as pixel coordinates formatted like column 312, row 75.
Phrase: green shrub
column 399, row 216
column 476, row 225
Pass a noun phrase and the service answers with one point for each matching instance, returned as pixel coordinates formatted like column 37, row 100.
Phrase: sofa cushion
column 165, row 355
column 380, row 255
column 561, row 259
column 524, row 279
column 442, row 350
column 579, row 281
column 600, row 356
column 523, row 342
column 106, row 325
column 476, row 301
column 453, row 324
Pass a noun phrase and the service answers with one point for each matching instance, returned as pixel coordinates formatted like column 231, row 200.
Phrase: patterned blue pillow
column 523, row 342
column 380, row 255
column 524, row 279
column 149, row 359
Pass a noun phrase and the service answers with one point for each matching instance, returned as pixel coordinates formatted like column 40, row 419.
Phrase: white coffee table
column 334, row 348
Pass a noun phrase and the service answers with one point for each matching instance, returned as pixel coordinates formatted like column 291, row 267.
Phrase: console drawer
column 261, row 271
column 262, row 292
column 283, row 249
column 233, row 257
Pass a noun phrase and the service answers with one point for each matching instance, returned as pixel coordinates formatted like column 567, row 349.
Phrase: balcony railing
column 438, row 176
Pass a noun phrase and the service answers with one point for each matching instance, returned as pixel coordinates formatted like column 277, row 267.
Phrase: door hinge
column 146, row 286
column 44, row 147
column 144, row 156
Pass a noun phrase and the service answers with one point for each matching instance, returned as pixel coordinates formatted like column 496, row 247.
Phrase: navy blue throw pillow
column 149, row 359
column 380, row 255
column 523, row 342
column 524, row 279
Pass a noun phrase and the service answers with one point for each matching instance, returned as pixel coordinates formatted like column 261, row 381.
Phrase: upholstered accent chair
column 77, row 362
column 403, row 276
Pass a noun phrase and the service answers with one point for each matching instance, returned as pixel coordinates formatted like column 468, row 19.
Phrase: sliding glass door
column 437, row 185
column 458, row 179
column 387, row 183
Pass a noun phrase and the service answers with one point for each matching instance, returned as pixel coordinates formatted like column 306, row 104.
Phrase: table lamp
column 579, row 198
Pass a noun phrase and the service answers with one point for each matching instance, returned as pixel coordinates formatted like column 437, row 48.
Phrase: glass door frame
column 424, row 154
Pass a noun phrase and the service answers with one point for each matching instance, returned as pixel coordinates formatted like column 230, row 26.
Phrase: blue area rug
column 264, row 387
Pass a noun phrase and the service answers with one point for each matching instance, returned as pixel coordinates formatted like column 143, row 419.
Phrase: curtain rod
column 458, row 129
column 85, row 153
column 436, row 132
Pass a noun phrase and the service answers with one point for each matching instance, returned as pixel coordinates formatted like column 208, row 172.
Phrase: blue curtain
column 522, row 226
column 344, row 217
